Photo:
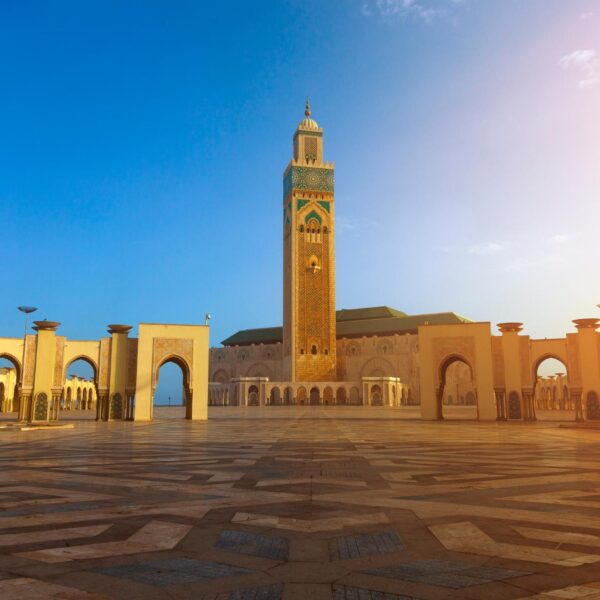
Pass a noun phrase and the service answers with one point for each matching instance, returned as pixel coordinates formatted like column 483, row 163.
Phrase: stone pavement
column 300, row 503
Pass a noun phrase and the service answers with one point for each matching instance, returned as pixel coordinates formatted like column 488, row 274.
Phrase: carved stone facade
column 309, row 326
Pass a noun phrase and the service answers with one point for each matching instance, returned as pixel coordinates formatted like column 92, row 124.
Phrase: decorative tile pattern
column 253, row 544
column 445, row 573
column 308, row 178
column 269, row 592
column 342, row 592
column 368, row 544
column 173, row 571
column 332, row 486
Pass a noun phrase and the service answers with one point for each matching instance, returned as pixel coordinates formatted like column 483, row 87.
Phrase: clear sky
column 143, row 145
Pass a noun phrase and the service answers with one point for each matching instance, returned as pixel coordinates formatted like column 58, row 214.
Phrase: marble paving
column 300, row 503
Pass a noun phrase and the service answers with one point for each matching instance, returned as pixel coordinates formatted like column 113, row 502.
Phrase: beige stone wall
column 381, row 356
column 260, row 360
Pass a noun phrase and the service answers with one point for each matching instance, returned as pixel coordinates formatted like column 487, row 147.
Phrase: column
column 43, row 379
column 501, row 403
column 512, row 363
column 587, row 340
column 117, row 386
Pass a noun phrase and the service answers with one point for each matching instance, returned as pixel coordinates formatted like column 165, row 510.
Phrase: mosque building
column 320, row 355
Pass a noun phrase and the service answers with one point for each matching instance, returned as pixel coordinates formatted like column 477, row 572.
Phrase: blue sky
column 143, row 145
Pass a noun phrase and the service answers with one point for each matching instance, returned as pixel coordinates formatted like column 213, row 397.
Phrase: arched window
column 313, row 349
column 253, row 396
column 313, row 232
column 376, row 396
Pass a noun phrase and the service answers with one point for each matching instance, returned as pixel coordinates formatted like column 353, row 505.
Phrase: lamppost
column 207, row 318
column 27, row 310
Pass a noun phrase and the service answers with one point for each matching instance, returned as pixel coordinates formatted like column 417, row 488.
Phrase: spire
column 308, row 122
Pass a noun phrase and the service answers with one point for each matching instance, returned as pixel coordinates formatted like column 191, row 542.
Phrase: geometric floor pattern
column 300, row 503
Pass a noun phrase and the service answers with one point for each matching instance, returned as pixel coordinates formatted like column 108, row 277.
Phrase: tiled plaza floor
column 300, row 503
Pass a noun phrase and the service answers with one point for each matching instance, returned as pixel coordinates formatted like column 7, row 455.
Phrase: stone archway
column 253, row 396
column 186, row 393
column 186, row 346
column 444, row 368
column 220, row 376
column 551, row 382
column 378, row 367
column 74, row 370
column 376, row 394
column 301, row 395
column 11, row 392
column 315, row 396
column 275, row 396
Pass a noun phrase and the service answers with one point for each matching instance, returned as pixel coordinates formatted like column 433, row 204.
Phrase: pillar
column 528, row 404
column 589, row 359
column 500, row 403
column 116, row 401
column 576, row 393
column 43, row 395
column 512, row 363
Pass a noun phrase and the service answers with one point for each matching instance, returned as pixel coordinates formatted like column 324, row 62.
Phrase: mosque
column 378, row 355
column 430, row 366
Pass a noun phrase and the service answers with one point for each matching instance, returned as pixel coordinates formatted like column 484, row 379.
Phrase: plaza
column 300, row 503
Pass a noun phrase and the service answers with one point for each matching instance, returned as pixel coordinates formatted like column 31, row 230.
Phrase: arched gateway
column 125, row 370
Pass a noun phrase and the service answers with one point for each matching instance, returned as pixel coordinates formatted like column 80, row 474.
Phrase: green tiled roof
column 244, row 337
column 356, row 322
column 372, row 312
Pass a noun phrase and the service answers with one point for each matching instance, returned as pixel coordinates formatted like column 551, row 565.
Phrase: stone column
column 45, row 357
column 439, row 399
column 512, row 363
column 576, row 394
column 589, row 359
column 117, row 387
column 501, row 403
column 528, row 404
column 366, row 397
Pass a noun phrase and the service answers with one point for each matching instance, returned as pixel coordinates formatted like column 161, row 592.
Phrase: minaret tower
column 309, row 335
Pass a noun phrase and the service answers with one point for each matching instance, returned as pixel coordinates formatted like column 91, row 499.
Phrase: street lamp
column 207, row 318
column 27, row 310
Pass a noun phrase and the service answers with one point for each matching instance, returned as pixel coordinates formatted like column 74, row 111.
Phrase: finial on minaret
column 307, row 110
